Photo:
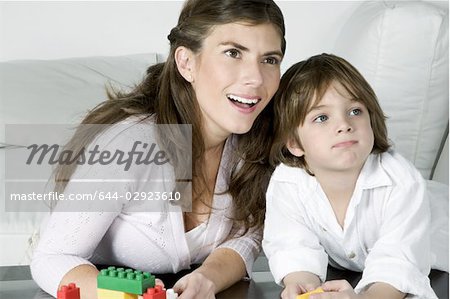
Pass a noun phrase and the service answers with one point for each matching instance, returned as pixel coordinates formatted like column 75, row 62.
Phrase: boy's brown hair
column 302, row 87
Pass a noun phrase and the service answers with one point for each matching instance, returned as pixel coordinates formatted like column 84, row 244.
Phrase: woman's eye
column 355, row 111
column 321, row 119
column 271, row 60
column 233, row 53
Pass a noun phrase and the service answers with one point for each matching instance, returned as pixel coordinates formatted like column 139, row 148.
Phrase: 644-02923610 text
column 97, row 195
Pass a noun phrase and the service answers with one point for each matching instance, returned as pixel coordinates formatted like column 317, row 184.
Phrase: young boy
column 340, row 195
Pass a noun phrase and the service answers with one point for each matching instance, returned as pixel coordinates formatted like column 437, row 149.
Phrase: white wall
column 51, row 30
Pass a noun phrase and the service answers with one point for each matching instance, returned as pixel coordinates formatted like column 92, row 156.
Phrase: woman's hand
column 221, row 269
column 336, row 289
column 195, row 286
column 159, row 282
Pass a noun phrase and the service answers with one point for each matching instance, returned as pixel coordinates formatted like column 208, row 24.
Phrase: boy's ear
column 184, row 59
column 294, row 148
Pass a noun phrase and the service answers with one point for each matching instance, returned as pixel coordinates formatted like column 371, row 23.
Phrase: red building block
column 69, row 292
column 155, row 293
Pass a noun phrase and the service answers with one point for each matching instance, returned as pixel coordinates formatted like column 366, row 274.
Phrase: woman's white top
column 125, row 233
column 386, row 232
column 195, row 239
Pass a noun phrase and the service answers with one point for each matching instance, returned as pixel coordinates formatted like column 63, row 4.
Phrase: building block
column 127, row 281
column 110, row 294
column 306, row 295
column 170, row 294
column 155, row 293
column 69, row 292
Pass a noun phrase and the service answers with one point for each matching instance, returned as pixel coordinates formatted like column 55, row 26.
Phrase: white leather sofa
column 401, row 48
column 52, row 92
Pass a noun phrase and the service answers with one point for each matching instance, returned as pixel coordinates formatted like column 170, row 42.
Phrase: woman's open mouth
column 242, row 102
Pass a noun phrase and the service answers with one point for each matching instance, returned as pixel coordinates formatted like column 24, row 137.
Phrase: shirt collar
column 373, row 174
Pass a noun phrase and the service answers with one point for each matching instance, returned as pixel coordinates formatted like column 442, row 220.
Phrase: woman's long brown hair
column 167, row 96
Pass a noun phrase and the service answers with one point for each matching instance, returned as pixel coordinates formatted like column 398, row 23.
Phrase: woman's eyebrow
column 245, row 49
column 235, row 45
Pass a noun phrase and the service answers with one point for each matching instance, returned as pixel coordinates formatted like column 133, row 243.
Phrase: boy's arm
column 382, row 290
column 289, row 243
column 401, row 254
column 306, row 278
column 342, row 289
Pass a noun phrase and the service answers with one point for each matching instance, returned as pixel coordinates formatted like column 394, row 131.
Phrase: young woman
column 222, row 70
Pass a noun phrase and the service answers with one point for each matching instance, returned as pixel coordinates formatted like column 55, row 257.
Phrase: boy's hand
column 293, row 289
column 336, row 289
column 297, row 283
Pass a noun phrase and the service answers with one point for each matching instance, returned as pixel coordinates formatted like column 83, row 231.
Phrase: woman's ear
column 295, row 148
column 184, row 59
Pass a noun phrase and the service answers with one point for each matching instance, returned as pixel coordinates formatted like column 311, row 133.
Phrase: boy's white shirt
column 385, row 232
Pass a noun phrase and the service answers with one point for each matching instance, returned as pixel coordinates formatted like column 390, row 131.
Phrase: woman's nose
column 252, row 74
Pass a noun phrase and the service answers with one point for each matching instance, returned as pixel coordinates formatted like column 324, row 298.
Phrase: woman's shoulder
column 145, row 119
column 136, row 128
column 136, row 124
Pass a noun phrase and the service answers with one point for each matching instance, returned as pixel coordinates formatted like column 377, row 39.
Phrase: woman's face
column 235, row 75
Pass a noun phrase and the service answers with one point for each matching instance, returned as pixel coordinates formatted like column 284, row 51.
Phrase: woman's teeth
column 249, row 102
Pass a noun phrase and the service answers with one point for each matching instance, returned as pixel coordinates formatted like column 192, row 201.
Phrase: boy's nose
column 349, row 129
column 344, row 126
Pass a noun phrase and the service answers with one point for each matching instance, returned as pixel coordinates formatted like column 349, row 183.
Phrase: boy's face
column 336, row 135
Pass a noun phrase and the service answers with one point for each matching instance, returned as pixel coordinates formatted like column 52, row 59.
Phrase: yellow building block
column 110, row 294
column 306, row 295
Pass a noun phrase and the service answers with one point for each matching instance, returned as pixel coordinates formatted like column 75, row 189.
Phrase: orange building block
column 306, row 295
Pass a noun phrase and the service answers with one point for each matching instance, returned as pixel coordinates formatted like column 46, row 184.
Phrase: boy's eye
column 355, row 111
column 321, row 119
column 233, row 53
column 271, row 60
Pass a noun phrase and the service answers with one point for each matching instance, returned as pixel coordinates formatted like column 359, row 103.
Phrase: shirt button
column 351, row 255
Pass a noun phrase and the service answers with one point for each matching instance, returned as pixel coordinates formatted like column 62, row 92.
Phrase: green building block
column 127, row 281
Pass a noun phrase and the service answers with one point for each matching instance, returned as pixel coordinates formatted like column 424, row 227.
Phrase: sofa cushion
column 53, row 92
column 61, row 91
column 401, row 47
